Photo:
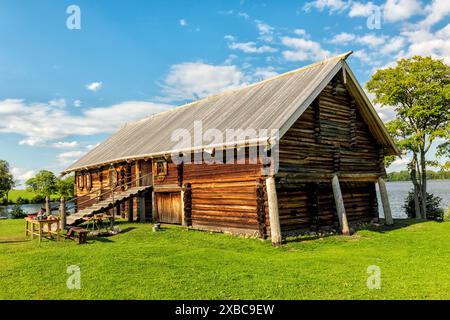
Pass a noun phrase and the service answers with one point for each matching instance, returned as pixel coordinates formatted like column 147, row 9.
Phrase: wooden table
column 98, row 221
column 30, row 225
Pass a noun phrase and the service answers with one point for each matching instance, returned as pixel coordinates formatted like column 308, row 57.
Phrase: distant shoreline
column 22, row 196
column 405, row 176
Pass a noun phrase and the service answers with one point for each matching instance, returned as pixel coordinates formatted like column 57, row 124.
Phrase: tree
column 419, row 90
column 65, row 186
column 6, row 179
column 44, row 183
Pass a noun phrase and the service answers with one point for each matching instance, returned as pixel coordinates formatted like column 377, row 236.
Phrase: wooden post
column 40, row 231
column 62, row 213
column 138, row 173
column 142, row 208
column 385, row 202
column 140, row 204
column 47, row 206
column 275, row 229
column 130, row 210
column 339, row 201
column 154, row 213
column 183, row 214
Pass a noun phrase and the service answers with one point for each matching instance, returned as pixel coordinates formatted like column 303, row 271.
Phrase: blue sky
column 63, row 91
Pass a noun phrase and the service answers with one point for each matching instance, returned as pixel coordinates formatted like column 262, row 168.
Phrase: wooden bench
column 77, row 233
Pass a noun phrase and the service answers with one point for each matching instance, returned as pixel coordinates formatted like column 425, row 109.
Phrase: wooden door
column 168, row 206
column 146, row 170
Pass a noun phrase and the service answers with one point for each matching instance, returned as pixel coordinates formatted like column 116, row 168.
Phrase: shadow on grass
column 398, row 224
column 13, row 241
column 381, row 228
column 106, row 237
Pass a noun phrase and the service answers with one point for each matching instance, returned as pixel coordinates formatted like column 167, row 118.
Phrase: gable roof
column 273, row 104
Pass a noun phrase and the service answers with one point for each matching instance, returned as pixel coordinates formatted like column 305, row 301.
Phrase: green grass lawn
column 27, row 195
column 24, row 194
column 179, row 264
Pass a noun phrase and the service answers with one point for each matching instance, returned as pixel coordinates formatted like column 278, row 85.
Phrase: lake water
column 27, row 208
column 399, row 190
column 397, row 194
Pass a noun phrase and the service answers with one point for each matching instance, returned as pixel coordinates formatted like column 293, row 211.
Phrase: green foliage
column 17, row 212
column 434, row 211
column 21, row 200
column 405, row 176
column 65, row 186
column 447, row 214
column 38, row 199
column 44, row 183
column 6, row 179
column 419, row 90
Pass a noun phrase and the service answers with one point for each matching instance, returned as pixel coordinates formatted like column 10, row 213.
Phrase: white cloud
column 229, row 37
column 331, row 5
column 371, row 40
column 399, row 164
column 65, row 144
column 92, row 146
column 264, row 28
column 262, row 73
column 21, row 175
column 301, row 33
column 359, row 9
column 230, row 59
column 302, row 49
column 194, row 80
column 67, row 158
column 183, row 22
column 343, row 38
column 250, row 47
column 243, row 15
column 393, row 10
column 59, row 103
column 426, row 43
column 397, row 10
column 436, row 11
column 94, row 86
column 265, row 31
column 31, row 142
column 365, row 57
column 386, row 113
column 393, row 45
column 43, row 124
column 77, row 103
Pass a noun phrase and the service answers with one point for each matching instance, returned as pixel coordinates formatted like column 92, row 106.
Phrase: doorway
column 168, row 207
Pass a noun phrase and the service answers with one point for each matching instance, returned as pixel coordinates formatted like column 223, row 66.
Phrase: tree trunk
column 424, row 183
column 417, row 208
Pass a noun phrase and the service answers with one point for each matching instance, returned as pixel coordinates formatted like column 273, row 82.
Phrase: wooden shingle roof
column 273, row 104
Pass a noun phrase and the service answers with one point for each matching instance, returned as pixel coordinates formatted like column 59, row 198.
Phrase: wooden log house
column 330, row 148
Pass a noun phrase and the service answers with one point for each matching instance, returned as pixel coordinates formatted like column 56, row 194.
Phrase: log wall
column 330, row 137
column 227, row 197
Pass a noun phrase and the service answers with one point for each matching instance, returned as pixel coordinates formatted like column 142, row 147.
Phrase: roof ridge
column 343, row 56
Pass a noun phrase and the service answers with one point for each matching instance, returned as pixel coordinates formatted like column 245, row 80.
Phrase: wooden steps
column 105, row 204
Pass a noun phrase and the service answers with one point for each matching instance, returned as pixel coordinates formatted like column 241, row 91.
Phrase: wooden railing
column 124, row 184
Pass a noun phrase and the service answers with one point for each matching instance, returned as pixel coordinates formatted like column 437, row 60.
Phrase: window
column 161, row 168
